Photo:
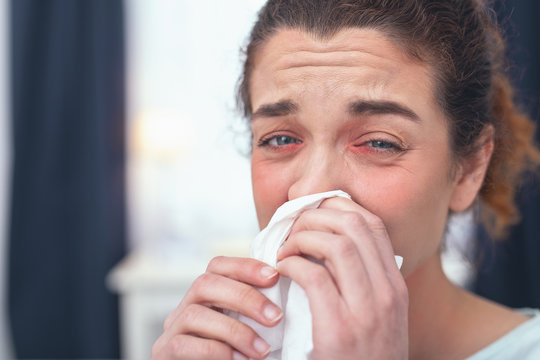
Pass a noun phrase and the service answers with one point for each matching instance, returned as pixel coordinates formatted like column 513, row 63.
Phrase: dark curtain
column 509, row 271
column 67, row 208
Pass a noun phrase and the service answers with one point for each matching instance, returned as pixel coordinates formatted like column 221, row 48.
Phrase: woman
column 405, row 106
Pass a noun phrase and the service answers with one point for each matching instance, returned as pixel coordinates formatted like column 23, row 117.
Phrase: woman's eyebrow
column 358, row 107
column 362, row 107
column 280, row 108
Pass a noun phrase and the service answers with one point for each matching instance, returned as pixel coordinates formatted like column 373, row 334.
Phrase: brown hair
column 461, row 41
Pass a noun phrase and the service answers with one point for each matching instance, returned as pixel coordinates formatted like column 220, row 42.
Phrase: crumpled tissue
column 291, row 339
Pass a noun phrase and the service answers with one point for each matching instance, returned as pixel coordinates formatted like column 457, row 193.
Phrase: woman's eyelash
column 384, row 145
column 280, row 140
column 378, row 145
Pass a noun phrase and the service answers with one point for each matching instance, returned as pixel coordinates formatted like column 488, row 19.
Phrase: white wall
column 189, row 187
column 5, row 162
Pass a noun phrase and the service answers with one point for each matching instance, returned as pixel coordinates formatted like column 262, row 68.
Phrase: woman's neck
column 433, row 301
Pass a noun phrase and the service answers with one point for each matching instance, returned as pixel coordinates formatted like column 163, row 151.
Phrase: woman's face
column 352, row 113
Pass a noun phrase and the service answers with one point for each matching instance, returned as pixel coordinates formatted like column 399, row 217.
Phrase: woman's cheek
column 411, row 209
column 270, row 188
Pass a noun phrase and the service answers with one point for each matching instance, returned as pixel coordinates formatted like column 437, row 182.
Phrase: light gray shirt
column 522, row 343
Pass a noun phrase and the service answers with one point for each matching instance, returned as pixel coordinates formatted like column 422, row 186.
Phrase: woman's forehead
column 291, row 47
column 353, row 64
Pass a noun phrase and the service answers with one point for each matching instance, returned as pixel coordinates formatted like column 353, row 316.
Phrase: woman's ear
column 472, row 171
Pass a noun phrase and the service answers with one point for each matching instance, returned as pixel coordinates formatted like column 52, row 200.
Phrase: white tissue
column 291, row 339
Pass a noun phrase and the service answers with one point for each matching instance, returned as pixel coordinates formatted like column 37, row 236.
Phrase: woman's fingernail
column 268, row 272
column 272, row 312
column 261, row 346
column 237, row 356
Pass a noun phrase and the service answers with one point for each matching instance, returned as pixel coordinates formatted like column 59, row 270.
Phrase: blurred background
column 124, row 168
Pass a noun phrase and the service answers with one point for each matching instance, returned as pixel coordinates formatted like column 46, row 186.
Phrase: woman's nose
column 314, row 175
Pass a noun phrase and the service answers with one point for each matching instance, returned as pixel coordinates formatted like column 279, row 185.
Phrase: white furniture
column 150, row 287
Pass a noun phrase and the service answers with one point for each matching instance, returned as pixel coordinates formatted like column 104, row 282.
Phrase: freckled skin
column 410, row 191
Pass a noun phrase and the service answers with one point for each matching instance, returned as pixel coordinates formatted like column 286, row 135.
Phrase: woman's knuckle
column 177, row 345
column 237, row 330
column 216, row 263
column 181, row 345
column 202, row 281
column 372, row 218
column 344, row 247
column 168, row 321
column 387, row 303
column 246, row 295
column 190, row 314
column 198, row 282
column 207, row 350
column 318, row 277
column 375, row 222
column 352, row 219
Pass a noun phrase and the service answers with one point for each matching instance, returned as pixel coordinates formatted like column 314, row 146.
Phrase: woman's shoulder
column 523, row 342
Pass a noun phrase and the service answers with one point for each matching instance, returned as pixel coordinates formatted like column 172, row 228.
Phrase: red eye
column 380, row 146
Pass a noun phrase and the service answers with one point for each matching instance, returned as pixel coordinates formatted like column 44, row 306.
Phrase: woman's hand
column 357, row 296
column 198, row 328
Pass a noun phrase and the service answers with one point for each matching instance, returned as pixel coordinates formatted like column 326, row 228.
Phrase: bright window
column 189, row 184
